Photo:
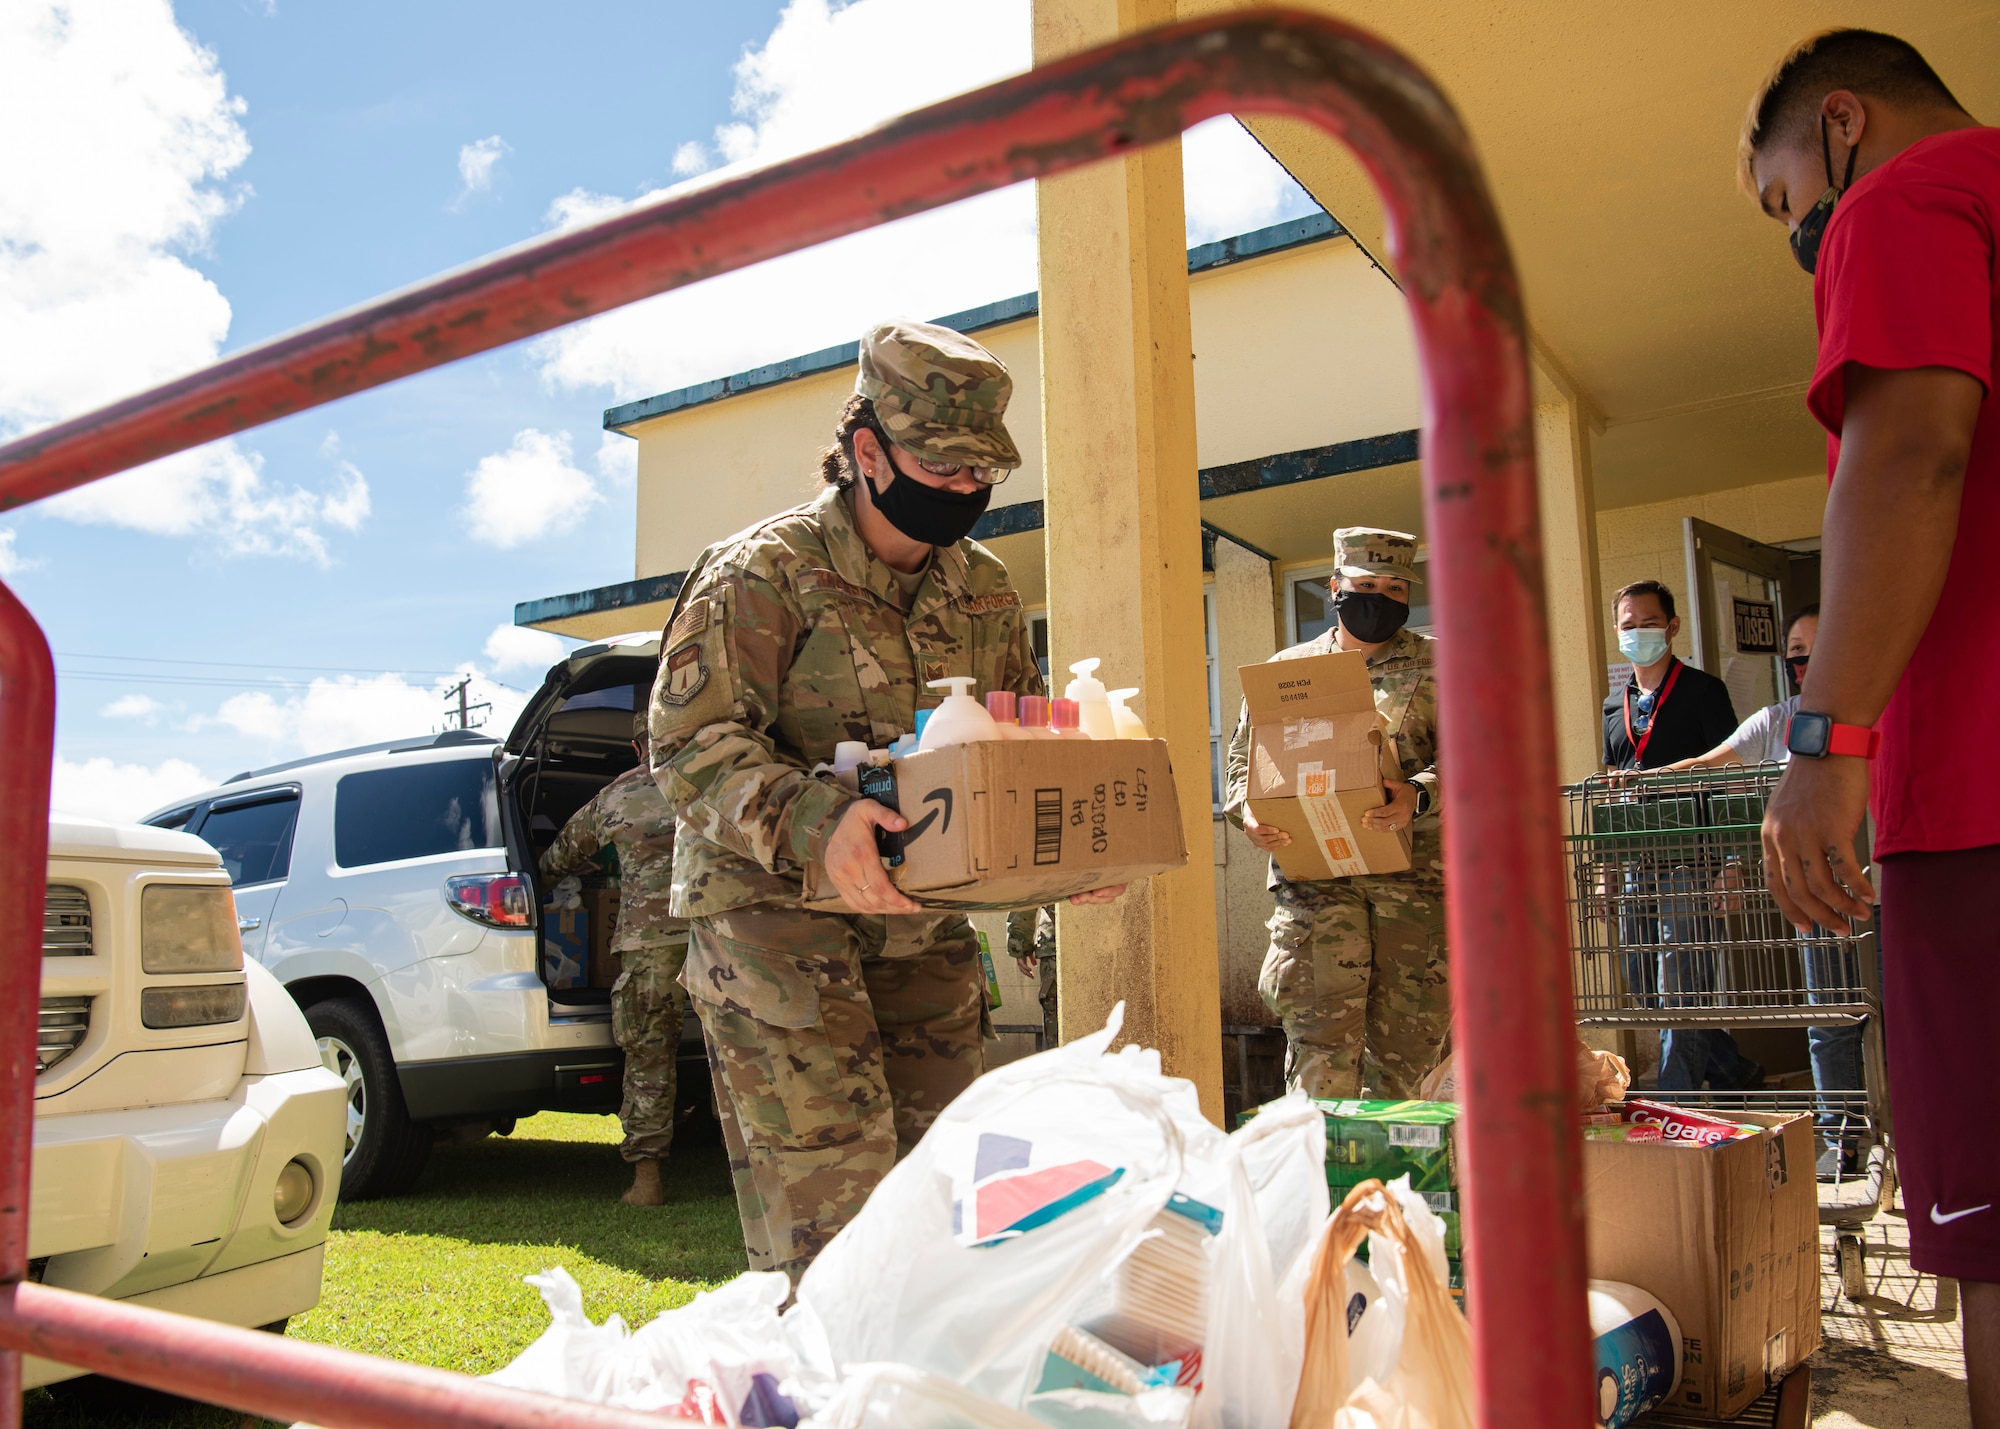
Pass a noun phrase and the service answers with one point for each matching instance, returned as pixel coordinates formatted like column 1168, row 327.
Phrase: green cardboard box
column 1381, row 1140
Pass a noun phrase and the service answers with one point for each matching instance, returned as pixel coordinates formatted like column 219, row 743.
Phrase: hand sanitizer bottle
column 1093, row 708
column 1035, row 718
column 1129, row 725
column 960, row 719
column 1004, row 708
column 1062, row 720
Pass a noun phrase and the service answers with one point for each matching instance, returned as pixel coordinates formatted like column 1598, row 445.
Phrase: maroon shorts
column 1941, row 1006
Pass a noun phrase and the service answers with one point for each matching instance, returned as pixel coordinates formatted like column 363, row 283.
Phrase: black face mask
column 927, row 513
column 1795, row 666
column 1370, row 616
column 1812, row 227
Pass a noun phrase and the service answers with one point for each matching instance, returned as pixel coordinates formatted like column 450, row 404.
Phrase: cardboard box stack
column 1316, row 765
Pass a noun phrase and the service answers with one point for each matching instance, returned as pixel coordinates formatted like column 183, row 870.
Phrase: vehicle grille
column 66, row 923
column 65, row 1022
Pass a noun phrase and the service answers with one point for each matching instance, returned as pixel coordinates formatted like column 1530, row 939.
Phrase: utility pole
column 465, row 710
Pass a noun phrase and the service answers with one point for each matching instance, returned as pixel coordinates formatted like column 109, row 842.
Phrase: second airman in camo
column 630, row 817
column 1357, row 968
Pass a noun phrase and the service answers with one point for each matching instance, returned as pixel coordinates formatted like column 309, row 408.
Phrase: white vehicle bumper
column 178, row 1201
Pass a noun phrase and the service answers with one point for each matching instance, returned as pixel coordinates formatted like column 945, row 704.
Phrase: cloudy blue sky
column 183, row 179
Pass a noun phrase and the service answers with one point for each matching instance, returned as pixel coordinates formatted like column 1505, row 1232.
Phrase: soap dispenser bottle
column 1093, row 708
column 960, row 719
column 1129, row 725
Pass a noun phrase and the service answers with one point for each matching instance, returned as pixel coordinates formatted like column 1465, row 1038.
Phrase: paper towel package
column 1316, row 765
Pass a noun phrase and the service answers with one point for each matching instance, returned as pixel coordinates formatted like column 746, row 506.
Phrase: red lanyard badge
column 1640, row 741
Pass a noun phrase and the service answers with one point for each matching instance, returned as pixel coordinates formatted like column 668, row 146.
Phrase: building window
column 1309, row 611
column 1215, row 736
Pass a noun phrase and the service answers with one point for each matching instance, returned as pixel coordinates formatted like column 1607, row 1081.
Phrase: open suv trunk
column 574, row 737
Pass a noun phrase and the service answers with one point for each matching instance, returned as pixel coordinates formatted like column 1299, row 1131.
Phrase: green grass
column 434, row 1277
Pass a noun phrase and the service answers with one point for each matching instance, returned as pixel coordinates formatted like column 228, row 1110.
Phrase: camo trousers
column 647, row 1007
column 835, row 1041
column 1357, row 972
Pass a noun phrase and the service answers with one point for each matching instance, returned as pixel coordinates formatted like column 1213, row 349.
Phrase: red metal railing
column 1510, row 967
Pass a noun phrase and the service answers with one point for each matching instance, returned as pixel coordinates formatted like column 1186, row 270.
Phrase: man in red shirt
column 1892, row 195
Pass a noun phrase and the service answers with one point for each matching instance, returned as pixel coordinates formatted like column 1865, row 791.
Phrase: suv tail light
column 499, row 900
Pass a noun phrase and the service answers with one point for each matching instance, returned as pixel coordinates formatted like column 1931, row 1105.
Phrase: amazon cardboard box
column 1316, row 765
column 1727, row 1237
column 1016, row 822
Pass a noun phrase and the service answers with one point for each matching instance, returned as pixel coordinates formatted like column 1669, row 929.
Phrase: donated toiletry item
column 878, row 782
column 1093, row 706
column 1005, row 710
column 1623, row 1131
column 1638, row 1349
column 1128, row 725
column 1381, row 1140
column 1683, row 1126
column 960, row 719
column 1063, row 720
column 992, row 980
column 1035, row 717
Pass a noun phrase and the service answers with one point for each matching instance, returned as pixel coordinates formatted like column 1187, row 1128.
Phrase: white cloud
column 12, row 562
column 689, row 159
column 516, row 647
column 141, row 707
column 102, row 789
column 351, row 710
column 218, row 493
column 529, row 491
column 478, row 163
column 798, row 92
column 123, row 127
column 618, row 459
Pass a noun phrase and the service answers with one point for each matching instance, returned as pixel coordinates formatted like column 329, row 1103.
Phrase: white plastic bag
column 1277, row 1198
column 872, row 1395
column 1427, row 1384
column 720, row 1359
column 930, row 1275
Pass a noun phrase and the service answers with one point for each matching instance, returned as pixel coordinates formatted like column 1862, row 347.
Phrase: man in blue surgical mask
column 1670, row 711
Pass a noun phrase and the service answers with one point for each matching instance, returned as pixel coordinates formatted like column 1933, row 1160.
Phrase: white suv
column 187, row 1137
column 393, row 891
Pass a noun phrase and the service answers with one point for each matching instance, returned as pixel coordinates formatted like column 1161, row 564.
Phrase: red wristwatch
column 1814, row 736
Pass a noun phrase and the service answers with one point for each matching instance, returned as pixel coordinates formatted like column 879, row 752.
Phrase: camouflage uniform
column 835, row 1040
column 647, row 1002
column 1031, row 933
column 1357, row 967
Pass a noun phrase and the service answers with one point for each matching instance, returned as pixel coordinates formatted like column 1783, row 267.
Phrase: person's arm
column 576, row 846
column 1891, row 522
column 1748, row 735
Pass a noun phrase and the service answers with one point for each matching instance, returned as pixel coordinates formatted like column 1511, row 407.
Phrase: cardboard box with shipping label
column 1316, row 765
column 1727, row 1237
column 1012, row 823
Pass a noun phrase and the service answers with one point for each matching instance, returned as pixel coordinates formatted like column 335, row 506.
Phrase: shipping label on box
column 1316, row 765
column 1727, row 1237
column 1013, row 823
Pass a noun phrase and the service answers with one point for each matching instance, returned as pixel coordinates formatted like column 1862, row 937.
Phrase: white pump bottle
column 960, row 719
column 1128, row 724
column 1092, row 706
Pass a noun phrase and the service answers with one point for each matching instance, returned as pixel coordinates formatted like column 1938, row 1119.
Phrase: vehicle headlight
column 294, row 1193
column 192, row 1006
column 185, row 929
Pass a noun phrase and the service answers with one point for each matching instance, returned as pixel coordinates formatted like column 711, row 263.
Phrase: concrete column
column 1124, row 546
column 1569, row 549
column 1244, row 635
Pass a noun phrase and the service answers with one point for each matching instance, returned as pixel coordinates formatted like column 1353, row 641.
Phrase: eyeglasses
column 984, row 475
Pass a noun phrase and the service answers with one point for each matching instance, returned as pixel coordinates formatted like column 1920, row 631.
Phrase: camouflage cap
column 937, row 393
column 1370, row 551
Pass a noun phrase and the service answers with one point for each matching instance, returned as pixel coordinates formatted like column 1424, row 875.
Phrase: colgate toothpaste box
column 1681, row 1124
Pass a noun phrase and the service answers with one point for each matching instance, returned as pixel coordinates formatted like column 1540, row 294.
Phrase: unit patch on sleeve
column 684, row 672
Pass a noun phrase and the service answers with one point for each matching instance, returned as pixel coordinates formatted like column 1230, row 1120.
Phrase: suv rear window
column 415, row 811
column 254, row 839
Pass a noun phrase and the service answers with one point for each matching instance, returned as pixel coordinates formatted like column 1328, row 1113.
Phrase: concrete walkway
column 1891, row 1360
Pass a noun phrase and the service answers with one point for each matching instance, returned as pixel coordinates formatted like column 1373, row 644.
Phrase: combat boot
column 646, row 1189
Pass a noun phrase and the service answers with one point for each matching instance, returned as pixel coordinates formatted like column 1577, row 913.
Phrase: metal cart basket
column 1674, row 929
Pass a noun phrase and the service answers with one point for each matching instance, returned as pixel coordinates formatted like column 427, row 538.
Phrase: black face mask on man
column 1812, row 227
column 930, row 514
column 1370, row 616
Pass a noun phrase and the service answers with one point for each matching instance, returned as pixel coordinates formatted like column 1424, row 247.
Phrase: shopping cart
column 1674, row 929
